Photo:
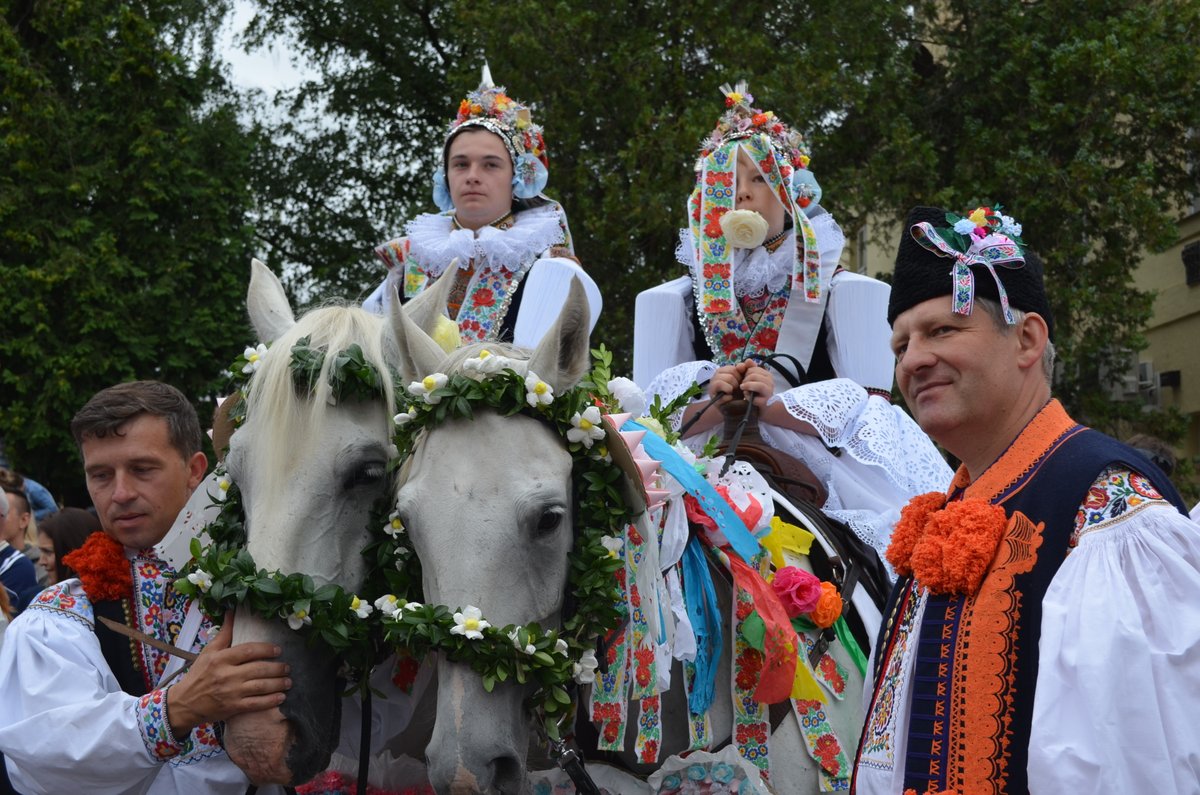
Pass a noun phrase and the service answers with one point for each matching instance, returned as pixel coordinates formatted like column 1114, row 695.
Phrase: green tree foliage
column 1079, row 116
column 624, row 91
column 123, row 203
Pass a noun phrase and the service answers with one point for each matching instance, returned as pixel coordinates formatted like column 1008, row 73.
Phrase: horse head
column 310, row 461
column 488, row 505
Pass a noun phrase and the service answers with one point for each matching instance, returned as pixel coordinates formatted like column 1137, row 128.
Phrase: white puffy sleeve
column 67, row 727
column 1118, row 686
column 545, row 292
column 859, row 335
column 662, row 330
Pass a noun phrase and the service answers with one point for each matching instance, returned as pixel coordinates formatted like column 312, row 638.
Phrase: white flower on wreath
column 426, row 386
column 586, row 427
column 629, row 395
column 964, row 226
column 515, row 637
column 253, row 357
column 360, row 608
column 298, row 618
column 404, row 418
column 388, row 605
column 584, row 671
column 469, row 623
column 201, row 579
column 394, row 527
column 537, row 391
column 560, row 647
column 410, row 606
column 613, row 545
column 485, row 364
column 224, row 483
column 1009, row 226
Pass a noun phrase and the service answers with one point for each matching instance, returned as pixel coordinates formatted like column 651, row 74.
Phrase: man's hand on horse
column 225, row 681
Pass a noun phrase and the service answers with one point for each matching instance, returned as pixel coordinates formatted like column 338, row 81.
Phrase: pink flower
column 798, row 590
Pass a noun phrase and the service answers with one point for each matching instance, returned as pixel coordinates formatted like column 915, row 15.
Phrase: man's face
column 480, row 174
column 957, row 373
column 46, row 558
column 138, row 481
column 755, row 193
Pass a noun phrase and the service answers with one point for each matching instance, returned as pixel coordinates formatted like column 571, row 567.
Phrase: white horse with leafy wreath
column 518, row 551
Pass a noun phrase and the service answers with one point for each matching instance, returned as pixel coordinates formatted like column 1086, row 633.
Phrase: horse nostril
column 507, row 773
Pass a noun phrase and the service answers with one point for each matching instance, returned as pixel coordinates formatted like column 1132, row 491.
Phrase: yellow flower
column 804, row 161
column 734, row 97
column 445, row 334
column 979, row 217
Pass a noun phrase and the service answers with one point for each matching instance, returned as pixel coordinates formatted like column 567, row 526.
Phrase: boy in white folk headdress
column 762, row 255
column 512, row 244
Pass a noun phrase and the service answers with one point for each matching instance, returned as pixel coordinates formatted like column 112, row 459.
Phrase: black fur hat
column 922, row 274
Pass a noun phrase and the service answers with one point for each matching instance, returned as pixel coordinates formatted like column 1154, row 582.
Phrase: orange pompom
column 829, row 607
column 912, row 523
column 103, row 568
column 958, row 546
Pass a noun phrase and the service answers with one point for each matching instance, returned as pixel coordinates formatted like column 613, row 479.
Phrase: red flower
column 635, row 538
column 767, row 338
column 635, row 597
column 756, row 734
column 643, row 658
column 1096, row 498
column 744, row 609
column 716, row 270
column 405, row 673
column 827, row 749
column 749, row 667
column 731, row 343
column 829, row 669
column 484, row 297
column 611, row 655
column 604, row 713
column 767, row 163
column 759, row 119
column 777, row 128
column 610, row 732
column 650, row 752
column 804, row 201
column 722, row 177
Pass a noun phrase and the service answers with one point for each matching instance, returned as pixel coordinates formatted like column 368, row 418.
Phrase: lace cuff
column 871, row 431
column 674, row 381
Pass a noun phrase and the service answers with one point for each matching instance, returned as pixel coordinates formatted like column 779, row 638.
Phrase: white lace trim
column 434, row 242
column 872, row 431
column 674, row 381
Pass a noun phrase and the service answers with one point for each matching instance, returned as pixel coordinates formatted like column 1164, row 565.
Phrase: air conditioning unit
column 1147, row 381
column 1123, row 379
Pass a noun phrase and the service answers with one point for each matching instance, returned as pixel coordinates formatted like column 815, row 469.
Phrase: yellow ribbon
column 786, row 536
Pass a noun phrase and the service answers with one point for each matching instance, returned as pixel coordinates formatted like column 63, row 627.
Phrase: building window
column 1191, row 263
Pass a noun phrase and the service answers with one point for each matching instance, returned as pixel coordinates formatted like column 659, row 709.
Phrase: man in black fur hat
column 1026, row 647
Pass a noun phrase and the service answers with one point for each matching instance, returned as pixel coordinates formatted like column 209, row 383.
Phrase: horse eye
column 549, row 521
column 366, row 474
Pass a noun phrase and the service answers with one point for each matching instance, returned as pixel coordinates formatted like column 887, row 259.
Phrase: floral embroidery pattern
column 152, row 720
column 1116, row 492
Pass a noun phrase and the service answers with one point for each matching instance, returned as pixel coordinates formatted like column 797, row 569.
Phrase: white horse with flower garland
column 487, row 506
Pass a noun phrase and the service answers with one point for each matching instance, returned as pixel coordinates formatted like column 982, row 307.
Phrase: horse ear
column 412, row 325
column 561, row 358
column 270, row 313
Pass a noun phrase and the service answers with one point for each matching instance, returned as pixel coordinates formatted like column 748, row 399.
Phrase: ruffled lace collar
column 434, row 242
column 755, row 271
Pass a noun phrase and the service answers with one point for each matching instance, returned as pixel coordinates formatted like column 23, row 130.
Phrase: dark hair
column 111, row 409
column 518, row 205
column 67, row 529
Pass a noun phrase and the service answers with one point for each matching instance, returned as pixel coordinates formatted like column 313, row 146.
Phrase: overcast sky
column 269, row 69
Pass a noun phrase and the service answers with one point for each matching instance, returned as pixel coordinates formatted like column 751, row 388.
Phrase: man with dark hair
column 83, row 708
column 1044, row 635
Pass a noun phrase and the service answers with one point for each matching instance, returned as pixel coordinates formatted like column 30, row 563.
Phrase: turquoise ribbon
column 700, row 597
column 728, row 523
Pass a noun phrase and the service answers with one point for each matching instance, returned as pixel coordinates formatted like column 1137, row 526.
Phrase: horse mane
column 290, row 417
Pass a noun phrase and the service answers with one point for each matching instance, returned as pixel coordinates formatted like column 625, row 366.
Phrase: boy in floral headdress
column 762, row 255
column 1045, row 633
column 509, row 244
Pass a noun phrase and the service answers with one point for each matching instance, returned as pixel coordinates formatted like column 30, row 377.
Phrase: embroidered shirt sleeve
column 156, row 731
column 1117, row 492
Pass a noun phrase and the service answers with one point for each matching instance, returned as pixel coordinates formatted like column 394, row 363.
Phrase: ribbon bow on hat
column 983, row 239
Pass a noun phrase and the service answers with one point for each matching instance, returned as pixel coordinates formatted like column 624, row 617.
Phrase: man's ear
column 1032, row 336
column 197, row 465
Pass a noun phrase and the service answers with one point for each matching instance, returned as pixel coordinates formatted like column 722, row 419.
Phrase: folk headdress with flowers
column 489, row 107
column 780, row 155
column 984, row 237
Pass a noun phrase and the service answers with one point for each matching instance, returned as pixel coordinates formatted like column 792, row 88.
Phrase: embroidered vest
column 976, row 657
